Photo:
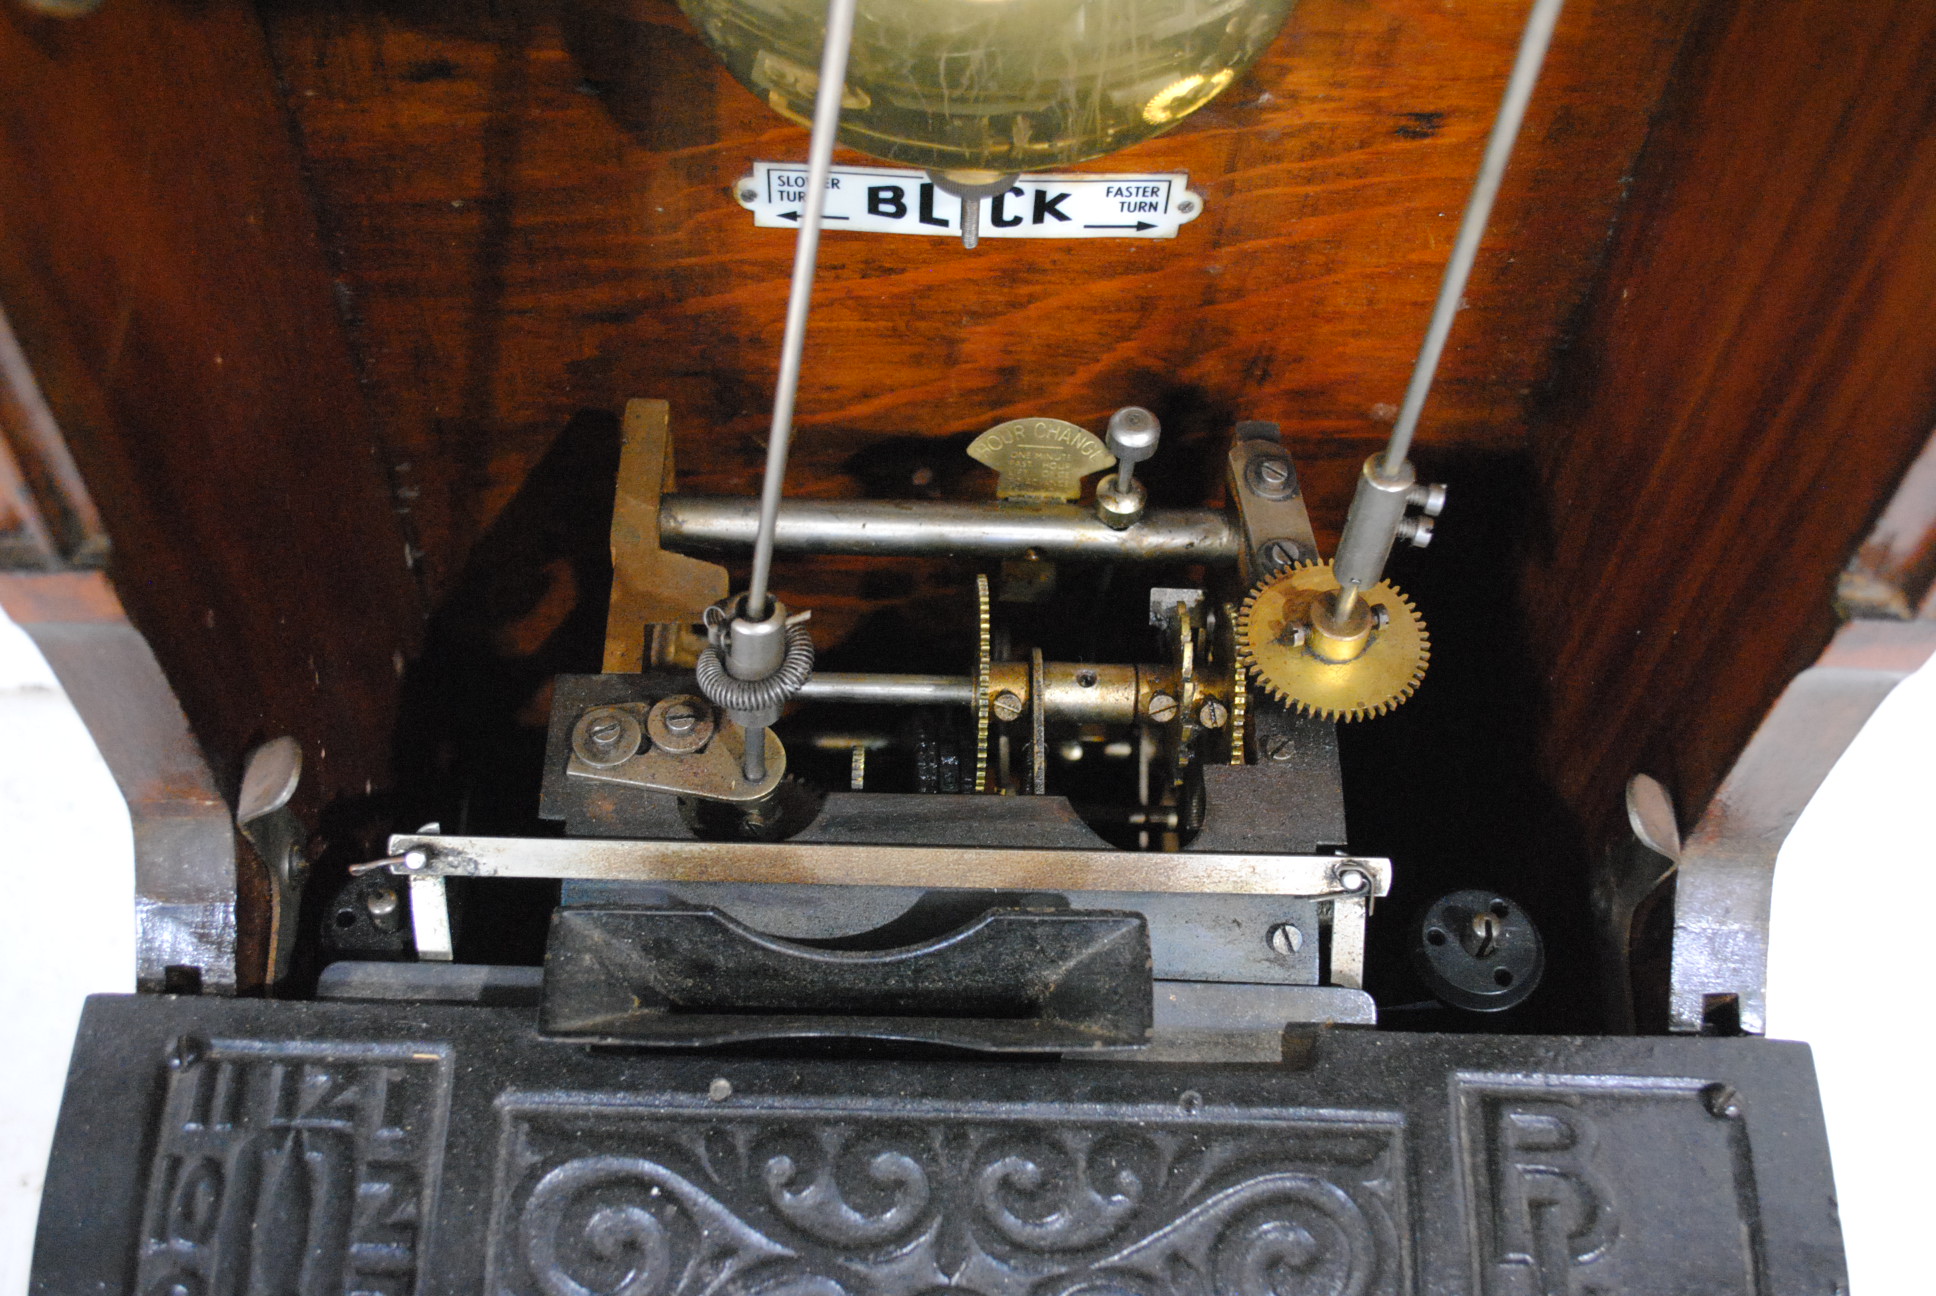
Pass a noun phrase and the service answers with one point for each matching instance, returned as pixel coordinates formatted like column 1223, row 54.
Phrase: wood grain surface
column 1757, row 371
column 530, row 203
column 161, row 270
column 525, row 219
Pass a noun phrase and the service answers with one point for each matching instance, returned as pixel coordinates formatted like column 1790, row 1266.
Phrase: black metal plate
column 233, row 1146
column 1008, row 980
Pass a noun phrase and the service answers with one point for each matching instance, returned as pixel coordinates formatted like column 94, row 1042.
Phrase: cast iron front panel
column 248, row 1147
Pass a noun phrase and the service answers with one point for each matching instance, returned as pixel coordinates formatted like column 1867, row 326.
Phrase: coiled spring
column 722, row 690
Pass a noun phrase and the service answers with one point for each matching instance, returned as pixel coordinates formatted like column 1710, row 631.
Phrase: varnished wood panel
column 530, row 202
column 160, row 266
column 1757, row 371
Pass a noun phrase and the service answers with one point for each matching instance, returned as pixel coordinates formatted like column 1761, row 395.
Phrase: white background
column 1855, row 899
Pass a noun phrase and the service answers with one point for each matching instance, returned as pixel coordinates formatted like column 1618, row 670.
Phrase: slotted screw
column 1286, row 939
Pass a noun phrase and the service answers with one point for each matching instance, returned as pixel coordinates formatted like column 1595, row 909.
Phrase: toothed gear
column 984, row 666
column 1283, row 665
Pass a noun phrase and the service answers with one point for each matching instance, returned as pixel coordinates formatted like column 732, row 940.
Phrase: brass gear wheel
column 1278, row 658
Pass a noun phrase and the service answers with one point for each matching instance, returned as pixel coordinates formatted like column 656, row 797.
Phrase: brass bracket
column 650, row 586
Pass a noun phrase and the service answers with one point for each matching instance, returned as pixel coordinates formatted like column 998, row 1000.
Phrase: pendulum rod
column 1478, row 211
column 766, row 658
column 1379, row 505
column 806, row 253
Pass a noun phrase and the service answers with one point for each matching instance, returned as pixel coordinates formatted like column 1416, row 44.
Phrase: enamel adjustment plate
column 887, row 200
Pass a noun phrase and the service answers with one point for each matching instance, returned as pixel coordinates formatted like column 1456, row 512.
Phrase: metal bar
column 430, row 919
column 1038, row 726
column 906, row 527
column 1478, row 210
column 820, row 154
column 1727, row 865
column 54, row 521
column 184, row 833
column 1348, row 943
column 1085, row 692
column 908, row 690
column 928, row 867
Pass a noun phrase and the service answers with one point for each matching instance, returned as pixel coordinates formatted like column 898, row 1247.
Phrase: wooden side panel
column 1757, row 371
column 160, row 266
column 531, row 203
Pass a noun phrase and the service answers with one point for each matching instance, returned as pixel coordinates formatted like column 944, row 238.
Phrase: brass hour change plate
column 1040, row 459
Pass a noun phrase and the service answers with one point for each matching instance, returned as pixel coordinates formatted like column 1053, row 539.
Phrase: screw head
column 1162, row 708
column 1485, row 934
column 1272, row 476
column 1280, row 553
column 1286, row 939
column 1212, row 714
column 1008, row 705
column 1721, row 1101
column 381, row 904
column 606, row 736
column 1279, row 747
column 680, row 725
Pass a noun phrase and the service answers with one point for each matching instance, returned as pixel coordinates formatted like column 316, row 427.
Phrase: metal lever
column 269, row 780
column 1133, row 434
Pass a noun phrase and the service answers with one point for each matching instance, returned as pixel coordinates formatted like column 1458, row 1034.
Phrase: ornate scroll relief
column 1040, row 460
column 600, row 1197
column 295, row 1168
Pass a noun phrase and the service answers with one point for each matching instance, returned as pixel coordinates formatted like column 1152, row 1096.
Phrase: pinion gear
column 1278, row 658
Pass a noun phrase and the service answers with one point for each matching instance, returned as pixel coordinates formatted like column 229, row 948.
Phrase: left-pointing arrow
column 823, row 216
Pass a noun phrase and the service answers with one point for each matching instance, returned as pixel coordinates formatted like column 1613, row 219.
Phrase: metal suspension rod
column 806, row 252
column 1478, row 210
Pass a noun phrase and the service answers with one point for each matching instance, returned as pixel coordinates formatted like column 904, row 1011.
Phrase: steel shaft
column 689, row 523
